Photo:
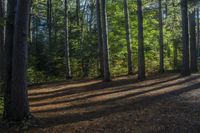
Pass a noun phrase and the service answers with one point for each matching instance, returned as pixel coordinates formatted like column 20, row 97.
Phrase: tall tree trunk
column 19, row 96
column 2, row 4
column 185, row 38
column 92, row 6
column 161, row 69
column 128, row 38
column 67, row 59
column 100, row 39
column 11, row 5
column 198, row 33
column 175, row 45
column 105, row 42
column 193, row 48
column 49, row 27
column 78, row 12
column 141, row 59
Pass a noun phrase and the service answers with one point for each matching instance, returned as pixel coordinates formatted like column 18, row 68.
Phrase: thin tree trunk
column 100, row 39
column 92, row 6
column 175, row 46
column 78, row 12
column 198, row 33
column 105, row 42
column 67, row 59
column 141, row 59
column 185, row 38
column 128, row 38
column 161, row 69
column 49, row 24
column 193, row 48
column 2, row 41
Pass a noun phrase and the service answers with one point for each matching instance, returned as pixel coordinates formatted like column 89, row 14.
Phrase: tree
column 141, row 60
column 77, row 11
column 128, row 38
column 11, row 5
column 185, row 38
column 198, row 32
column 161, row 37
column 193, row 47
column 105, row 42
column 1, row 43
column 16, row 97
column 100, row 39
column 67, row 60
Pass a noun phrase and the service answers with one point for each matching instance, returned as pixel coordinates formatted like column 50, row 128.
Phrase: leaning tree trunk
column 185, row 38
column 11, row 5
column 161, row 69
column 128, row 38
column 193, row 48
column 67, row 60
column 141, row 60
column 100, row 39
column 105, row 42
column 19, row 96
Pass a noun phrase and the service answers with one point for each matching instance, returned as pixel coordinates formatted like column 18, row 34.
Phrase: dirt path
column 166, row 103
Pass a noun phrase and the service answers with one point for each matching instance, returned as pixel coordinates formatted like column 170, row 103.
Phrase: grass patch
column 1, row 106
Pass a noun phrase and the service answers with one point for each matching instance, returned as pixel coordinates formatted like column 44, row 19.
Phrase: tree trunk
column 11, row 5
column 128, row 38
column 175, row 54
column 100, row 39
column 161, row 69
column 105, row 42
column 141, row 59
column 50, row 25
column 185, row 38
column 193, row 48
column 19, row 96
column 78, row 11
column 67, row 59
column 2, row 41
column 198, row 33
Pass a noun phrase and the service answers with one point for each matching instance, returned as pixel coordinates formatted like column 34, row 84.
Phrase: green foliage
column 48, row 59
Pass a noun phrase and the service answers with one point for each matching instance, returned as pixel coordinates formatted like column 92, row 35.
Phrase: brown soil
column 165, row 103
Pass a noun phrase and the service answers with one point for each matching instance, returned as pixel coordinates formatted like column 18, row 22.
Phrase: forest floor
column 166, row 103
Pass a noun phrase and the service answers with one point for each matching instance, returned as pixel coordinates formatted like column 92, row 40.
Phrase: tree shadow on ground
column 94, row 87
column 111, row 106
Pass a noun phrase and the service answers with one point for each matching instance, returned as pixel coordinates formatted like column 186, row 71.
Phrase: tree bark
column 185, row 38
column 100, row 38
column 141, row 59
column 78, row 11
column 198, row 33
column 11, row 5
column 193, row 48
column 161, row 69
column 67, row 59
column 2, row 41
column 105, row 42
column 128, row 38
column 19, row 96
